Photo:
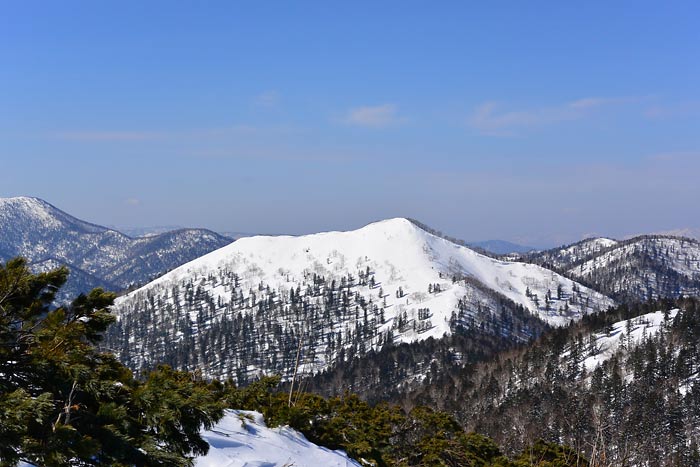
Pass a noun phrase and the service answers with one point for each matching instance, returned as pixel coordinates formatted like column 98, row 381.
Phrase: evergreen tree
column 64, row 402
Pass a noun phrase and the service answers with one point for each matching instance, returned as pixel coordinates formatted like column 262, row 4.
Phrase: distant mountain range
column 96, row 256
column 159, row 229
column 638, row 269
column 501, row 247
column 686, row 232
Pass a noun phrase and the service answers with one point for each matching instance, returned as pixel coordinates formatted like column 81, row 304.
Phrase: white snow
column 400, row 254
column 581, row 250
column 590, row 245
column 241, row 439
column 641, row 327
column 606, row 242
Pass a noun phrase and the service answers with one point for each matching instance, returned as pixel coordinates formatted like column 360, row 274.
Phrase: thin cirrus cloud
column 132, row 202
column 678, row 109
column 136, row 136
column 377, row 116
column 594, row 102
column 267, row 99
column 490, row 119
column 107, row 135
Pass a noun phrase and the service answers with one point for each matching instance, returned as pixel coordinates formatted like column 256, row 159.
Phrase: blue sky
column 538, row 122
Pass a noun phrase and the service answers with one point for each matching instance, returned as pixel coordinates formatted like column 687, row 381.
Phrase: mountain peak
column 394, row 226
column 397, row 222
column 25, row 203
column 22, row 199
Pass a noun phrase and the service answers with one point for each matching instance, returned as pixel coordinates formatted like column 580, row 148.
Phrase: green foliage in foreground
column 384, row 435
column 63, row 402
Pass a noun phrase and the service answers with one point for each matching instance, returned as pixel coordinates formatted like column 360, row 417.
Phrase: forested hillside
column 622, row 386
column 96, row 256
column 639, row 269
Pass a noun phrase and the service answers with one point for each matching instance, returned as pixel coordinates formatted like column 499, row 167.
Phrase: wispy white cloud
column 126, row 136
column 107, row 135
column 679, row 109
column 267, row 99
column 277, row 153
column 377, row 116
column 675, row 156
column 235, row 130
column 132, row 202
column 595, row 102
column 490, row 118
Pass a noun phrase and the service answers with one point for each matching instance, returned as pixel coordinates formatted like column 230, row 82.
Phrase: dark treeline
column 63, row 402
column 389, row 373
column 480, row 329
column 383, row 435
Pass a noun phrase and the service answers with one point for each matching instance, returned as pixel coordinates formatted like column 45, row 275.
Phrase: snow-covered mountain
column 96, row 256
column 640, row 268
column 565, row 257
column 149, row 231
column 248, row 307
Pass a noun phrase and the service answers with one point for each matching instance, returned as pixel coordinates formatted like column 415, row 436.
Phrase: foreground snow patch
column 241, row 439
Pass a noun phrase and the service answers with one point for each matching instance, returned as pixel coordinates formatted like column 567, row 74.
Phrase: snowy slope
column 679, row 254
column 565, row 257
column 629, row 333
column 98, row 256
column 388, row 278
column 241, row 439
column 583, row 353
